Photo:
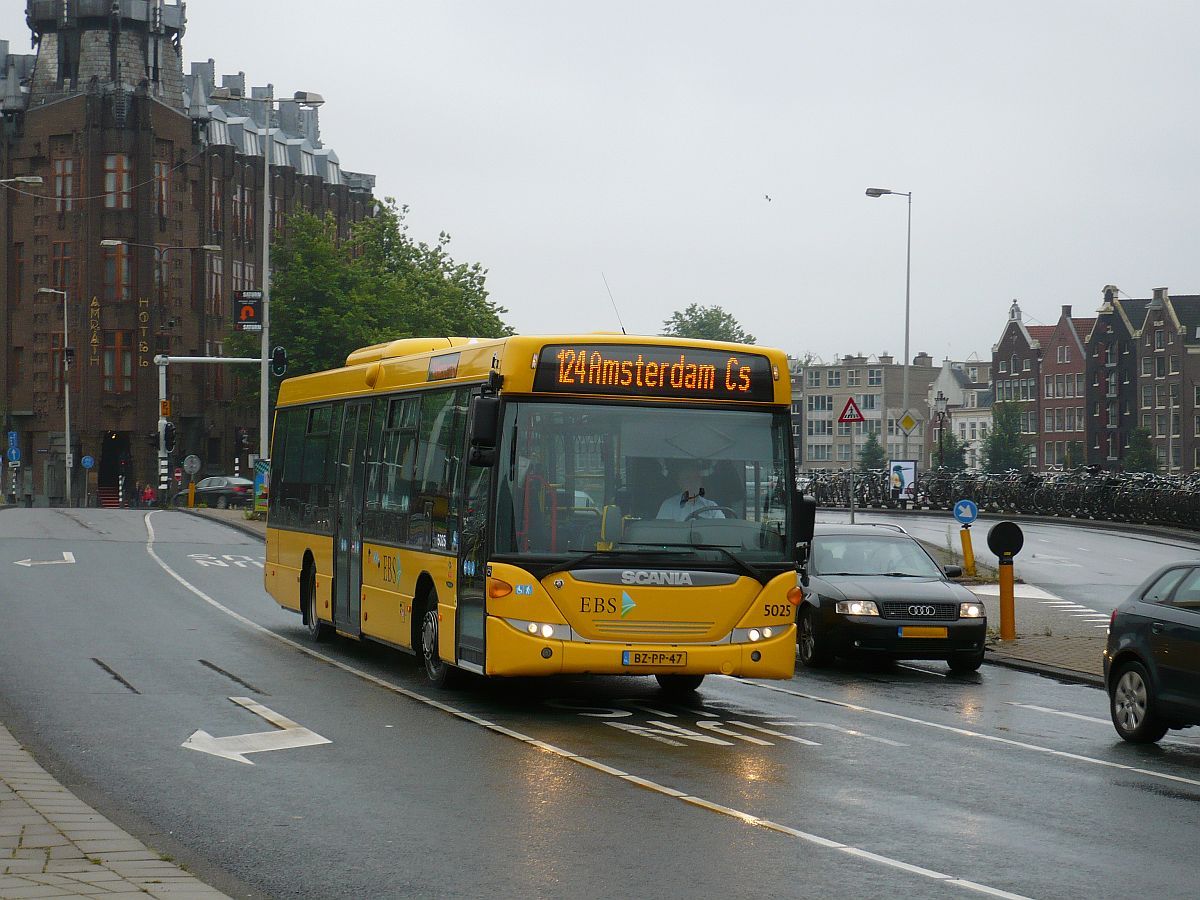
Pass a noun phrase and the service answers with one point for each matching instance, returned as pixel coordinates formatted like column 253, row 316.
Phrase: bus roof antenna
column 614, row 303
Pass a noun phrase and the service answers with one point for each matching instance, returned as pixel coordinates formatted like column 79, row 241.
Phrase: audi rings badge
column 916, row 611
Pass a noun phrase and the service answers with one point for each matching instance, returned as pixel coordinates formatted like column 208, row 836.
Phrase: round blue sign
column 966, row 511
column 87, row 462
column 13, row 454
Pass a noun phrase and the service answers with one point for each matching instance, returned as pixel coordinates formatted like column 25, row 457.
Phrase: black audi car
column 1152, row 660
column 874, row 590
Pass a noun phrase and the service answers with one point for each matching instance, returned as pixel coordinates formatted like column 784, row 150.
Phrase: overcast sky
column 1051, row 148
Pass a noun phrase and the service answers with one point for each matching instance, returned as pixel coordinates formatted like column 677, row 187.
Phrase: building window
column 844, row 429
column 1147, row 365
column 1159, row 342
column 818, row 452
column 64, row 185
column 835, row 378
column 814, row 379
column 216, row 203
column 843, row 453
column 1049, row 380
column 1147, row 396
column 216, row 285
column 61, row 265
column 18, row 272
column 1003, row 367
column 278, row 212
column 874, row 377
column 162, row 187
column 1024, row 365
column 162, row 275
column 1173, row 365
column 237, row 204
column 868, row 401
column 854, row 378
column 117, row 362
column 116, row 273
column 1059, row 420
column 1049, row 420
column 117, row 178
column 820, row 403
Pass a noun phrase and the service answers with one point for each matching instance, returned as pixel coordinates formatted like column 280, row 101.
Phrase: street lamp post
column 309, row 100
column 68, row 459
column 879, row 192
column 940, row 402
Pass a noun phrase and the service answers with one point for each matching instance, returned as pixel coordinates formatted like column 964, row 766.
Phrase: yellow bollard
column 1008, row 624
column 191, row 495
column 968, row 552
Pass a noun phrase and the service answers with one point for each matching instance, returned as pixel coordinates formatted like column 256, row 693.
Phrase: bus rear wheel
column 679, row 684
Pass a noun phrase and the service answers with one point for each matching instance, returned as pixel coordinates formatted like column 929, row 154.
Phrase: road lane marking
column 561, row 753
column 68, row 559
column 1058, row 712
column 965, row 732
column 288, row 736
column 922, row 671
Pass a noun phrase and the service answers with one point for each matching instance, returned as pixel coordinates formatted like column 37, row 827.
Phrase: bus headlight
column 970, row 611
column 857, row 608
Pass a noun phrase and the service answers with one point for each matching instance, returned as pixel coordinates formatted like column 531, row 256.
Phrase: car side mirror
column 953, row 571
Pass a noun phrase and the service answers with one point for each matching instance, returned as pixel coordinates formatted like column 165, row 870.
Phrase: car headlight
column 857, row 608
column 970, row 611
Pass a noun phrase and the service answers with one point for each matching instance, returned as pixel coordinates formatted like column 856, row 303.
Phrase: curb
column 236, row 526
column 1049, row 671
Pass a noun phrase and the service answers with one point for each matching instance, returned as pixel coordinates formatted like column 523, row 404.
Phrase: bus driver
column 690, row 502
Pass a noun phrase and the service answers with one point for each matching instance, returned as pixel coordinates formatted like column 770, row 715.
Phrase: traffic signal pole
column 162, row 361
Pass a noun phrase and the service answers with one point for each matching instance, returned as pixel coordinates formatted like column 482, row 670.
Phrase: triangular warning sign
column 851, row 413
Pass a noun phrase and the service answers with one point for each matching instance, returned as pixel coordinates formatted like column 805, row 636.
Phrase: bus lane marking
column 965, row 732
column 561, row 753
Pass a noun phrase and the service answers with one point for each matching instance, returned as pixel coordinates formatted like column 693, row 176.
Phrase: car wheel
column 679, row 684
column 317, row 630
column 222, row 503
column 814, row 653
column 965, row 663
column 436, row 669
column 1132, row 705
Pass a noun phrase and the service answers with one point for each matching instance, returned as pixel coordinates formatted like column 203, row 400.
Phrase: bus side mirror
column 485, row 428
column 804, row 523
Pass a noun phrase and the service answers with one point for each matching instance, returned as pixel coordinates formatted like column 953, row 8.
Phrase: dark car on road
column 1152, row 660
column 221, row 491
column 875, row 591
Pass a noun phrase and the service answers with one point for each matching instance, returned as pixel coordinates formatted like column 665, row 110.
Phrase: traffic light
column 279, row 362
column 169, row 436
column 152, row 439
column 243, row 438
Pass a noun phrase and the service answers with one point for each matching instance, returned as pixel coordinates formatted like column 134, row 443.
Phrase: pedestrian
column 149, row 495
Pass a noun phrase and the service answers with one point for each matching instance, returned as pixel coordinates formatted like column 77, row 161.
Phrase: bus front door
column 472, row 564
column 347, row 553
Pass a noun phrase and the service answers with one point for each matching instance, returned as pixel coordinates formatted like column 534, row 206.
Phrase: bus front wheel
column 436, row 669
column 317, row 630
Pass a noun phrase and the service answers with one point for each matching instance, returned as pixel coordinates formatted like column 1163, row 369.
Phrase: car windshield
column 871, row 554
column 696, row 483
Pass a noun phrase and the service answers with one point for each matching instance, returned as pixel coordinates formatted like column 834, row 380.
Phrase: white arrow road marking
column 291, row 736
column 67, row 560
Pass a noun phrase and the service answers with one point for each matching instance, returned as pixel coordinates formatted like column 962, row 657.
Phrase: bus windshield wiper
column 740, row 563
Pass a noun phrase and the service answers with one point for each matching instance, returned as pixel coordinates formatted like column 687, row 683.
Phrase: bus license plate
column 918, row 631
column 654, row 657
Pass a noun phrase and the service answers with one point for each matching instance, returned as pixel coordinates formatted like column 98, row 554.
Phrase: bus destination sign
column 650, row 371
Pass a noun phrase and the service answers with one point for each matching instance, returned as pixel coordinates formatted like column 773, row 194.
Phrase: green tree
column 870, row 455
column 330, row 297
column 951, row 451
column 1004, row 448
column 708, row 323
column 1140, row 455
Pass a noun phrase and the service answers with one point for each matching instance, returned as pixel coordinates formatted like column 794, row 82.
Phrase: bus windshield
column 706, row 485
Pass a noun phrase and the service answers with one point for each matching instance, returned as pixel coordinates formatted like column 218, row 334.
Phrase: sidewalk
column 54, row 845
column 1076, row 658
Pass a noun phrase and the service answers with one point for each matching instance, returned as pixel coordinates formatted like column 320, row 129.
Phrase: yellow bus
column 545, row 505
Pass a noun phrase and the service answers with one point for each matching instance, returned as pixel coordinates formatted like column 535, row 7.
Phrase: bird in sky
column 768, row 196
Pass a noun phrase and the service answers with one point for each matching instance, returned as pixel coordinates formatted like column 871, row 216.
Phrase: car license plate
column 923, row 631
column 655, row 657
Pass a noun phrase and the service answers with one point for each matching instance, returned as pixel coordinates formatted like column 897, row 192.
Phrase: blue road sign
column 966, row 511
column 12, row 439
column 87, row 462
column 14, row 454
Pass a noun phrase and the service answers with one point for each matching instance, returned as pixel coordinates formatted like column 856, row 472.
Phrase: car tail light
column 239, row 488
column 1112, row 620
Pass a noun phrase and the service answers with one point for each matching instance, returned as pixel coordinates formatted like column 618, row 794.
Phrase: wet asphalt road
column 858, row 781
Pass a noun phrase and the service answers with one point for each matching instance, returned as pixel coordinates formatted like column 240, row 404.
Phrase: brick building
column 1111, row 377
column 1016, row 373
column 132, row 150
column 1168, row 396
column 1063, row 422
